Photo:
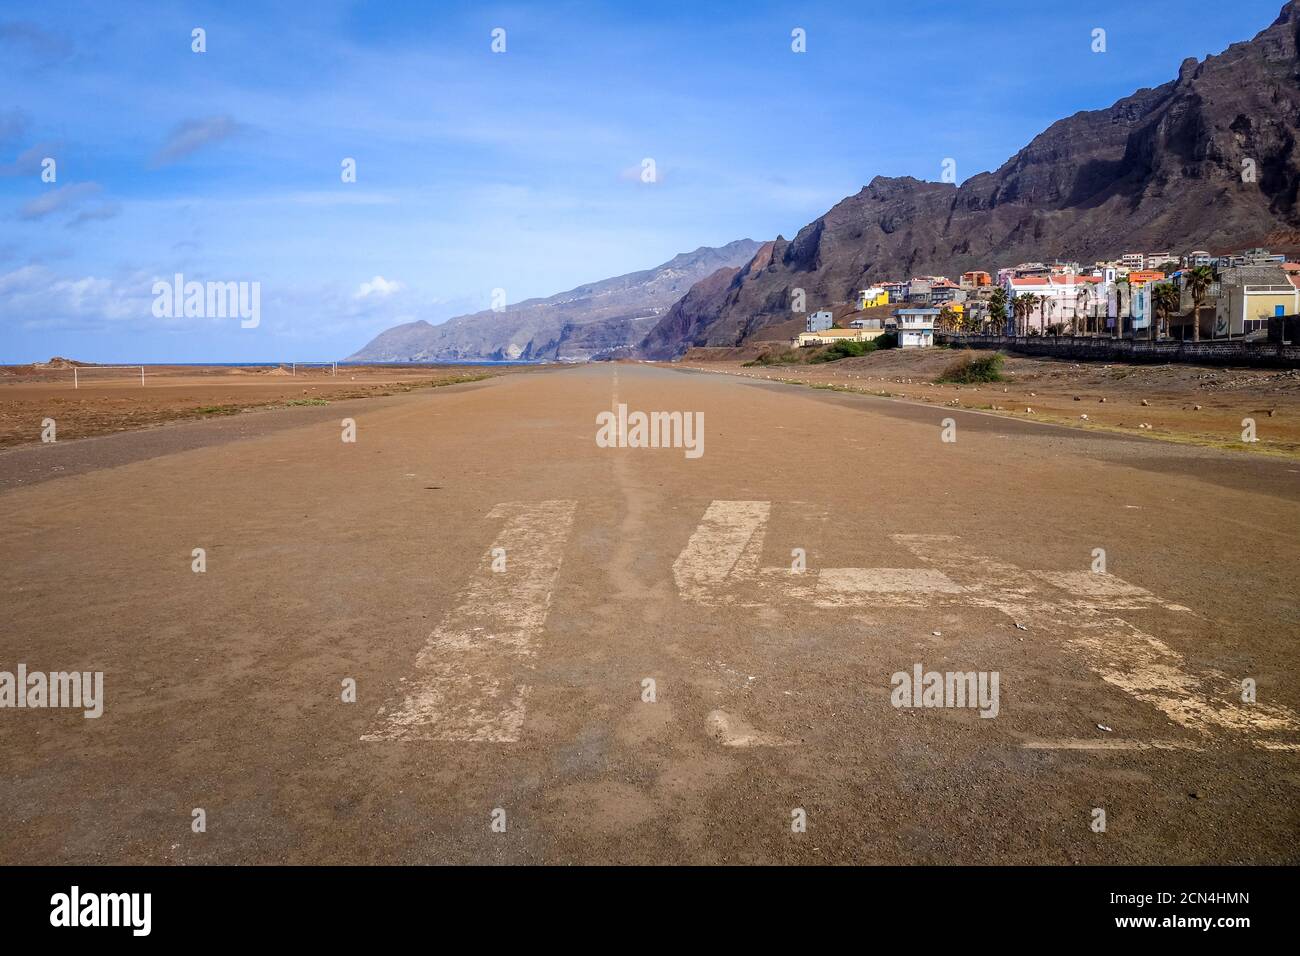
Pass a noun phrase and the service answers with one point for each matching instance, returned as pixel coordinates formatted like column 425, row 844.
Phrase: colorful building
column 876, row 295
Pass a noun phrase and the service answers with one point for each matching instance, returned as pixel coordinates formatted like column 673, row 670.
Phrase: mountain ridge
column 1162, row 167
column 573, row 325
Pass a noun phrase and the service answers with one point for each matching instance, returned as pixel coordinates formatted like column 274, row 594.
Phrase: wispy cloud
column 13, row 125
column 55, row 200
column 192, row 135
column 28, row 161
column 38, row 46
column 105, row 210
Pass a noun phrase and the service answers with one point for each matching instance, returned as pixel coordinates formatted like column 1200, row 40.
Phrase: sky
column 522, row 170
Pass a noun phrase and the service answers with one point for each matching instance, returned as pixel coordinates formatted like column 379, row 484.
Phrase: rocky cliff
column 1208, row 160
column 573, row 325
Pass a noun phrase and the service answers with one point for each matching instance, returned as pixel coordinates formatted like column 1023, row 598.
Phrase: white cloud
column 35, row 297
column 378, row 286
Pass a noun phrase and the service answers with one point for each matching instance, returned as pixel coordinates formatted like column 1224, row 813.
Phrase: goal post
column 332, row 366
column 77, row 371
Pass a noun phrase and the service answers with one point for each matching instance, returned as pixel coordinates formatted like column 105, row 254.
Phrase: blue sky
column 479, row 170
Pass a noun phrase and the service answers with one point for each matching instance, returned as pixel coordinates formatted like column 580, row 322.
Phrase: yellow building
column 827, row 336
column 872, row 297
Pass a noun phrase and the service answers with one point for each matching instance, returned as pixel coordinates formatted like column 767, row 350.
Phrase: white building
column 1077, row 302
column 915, row 327
column 820, row 321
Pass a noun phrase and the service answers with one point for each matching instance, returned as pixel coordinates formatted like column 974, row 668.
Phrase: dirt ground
column 569, row 653
column 113, row 400
column 1187, row 403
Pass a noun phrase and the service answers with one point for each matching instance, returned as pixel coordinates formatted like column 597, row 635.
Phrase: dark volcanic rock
column 575, row 325
column 1159, row 169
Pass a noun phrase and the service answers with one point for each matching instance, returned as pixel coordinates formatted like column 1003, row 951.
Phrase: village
column 1250, row 296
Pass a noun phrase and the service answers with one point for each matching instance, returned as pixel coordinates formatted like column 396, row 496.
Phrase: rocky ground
column 1186, row 403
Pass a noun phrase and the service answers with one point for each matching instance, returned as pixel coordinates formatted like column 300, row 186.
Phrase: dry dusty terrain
column 502, row 590
column 112, row 400
column 1187, row 403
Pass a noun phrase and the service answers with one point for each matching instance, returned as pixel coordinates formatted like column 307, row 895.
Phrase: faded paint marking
column 728, row 531
column 1104, row 590
column 1148, row 669
column 1085, row 743
column 466, row 684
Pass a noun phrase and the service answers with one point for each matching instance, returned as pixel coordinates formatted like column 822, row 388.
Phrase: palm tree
column 1199, row 281
column 1164, row 299
column 1026, row 302
column 998, row 309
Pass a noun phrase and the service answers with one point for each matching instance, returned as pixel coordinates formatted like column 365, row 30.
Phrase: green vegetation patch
column 846, row 348
column 972, row 371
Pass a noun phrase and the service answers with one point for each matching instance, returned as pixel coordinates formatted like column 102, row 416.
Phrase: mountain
column 1165, row 168
column 575, row 325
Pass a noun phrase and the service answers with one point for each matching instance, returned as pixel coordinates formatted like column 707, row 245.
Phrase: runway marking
column 1085, row 743
column 721, row 566
column 466, row 685
column 1146, row 668
column 1123, row 656
column 717, row 545
column 1115, row 592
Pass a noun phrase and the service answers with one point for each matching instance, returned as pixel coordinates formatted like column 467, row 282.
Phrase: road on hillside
column 562, row 652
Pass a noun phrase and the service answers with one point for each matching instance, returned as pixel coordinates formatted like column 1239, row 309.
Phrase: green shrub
column 787, row 357
column 845, row 348
column 971, row 370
